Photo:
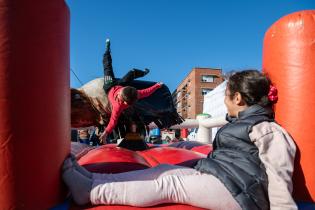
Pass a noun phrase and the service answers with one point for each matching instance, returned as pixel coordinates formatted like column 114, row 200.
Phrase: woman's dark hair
column 252, row 85
column 129, row 94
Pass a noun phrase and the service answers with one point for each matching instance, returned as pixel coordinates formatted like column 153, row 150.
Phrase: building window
column 207, row 78
column 204, row 91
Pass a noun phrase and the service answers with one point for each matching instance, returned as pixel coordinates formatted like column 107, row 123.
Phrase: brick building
column 188, row 97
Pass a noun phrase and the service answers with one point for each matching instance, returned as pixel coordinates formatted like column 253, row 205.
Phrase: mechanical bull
column 90, row 107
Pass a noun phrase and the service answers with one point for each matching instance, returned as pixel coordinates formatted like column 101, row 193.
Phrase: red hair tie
column 273, row 94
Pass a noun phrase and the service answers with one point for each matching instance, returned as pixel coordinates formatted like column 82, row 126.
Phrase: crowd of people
column 88, row 136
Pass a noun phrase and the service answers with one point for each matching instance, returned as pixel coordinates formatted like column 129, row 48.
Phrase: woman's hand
column 103, row 137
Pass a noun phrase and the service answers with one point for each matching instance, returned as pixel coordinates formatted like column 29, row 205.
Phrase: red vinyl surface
column 288, row 58
column 34, row 102
column 171, row 155
column 110, row 159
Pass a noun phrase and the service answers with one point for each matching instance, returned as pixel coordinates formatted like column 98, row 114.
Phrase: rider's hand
column 103, row 137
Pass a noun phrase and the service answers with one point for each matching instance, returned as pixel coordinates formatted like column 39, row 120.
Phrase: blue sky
column 170, row 37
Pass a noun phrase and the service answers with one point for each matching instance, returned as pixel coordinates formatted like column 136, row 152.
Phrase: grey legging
column 162, row 184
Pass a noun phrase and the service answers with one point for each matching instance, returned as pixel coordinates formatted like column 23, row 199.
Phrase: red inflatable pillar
column 34, row 102
column 289, row 59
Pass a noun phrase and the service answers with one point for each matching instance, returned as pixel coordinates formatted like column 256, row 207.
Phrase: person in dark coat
column 250, row 167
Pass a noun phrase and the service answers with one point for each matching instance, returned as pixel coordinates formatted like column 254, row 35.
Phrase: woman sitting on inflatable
column 250, row 167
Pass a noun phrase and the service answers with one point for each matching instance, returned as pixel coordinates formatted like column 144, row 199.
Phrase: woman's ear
column 239, row 99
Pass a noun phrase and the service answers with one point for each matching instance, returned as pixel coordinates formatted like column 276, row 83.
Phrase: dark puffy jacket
column 235, row 162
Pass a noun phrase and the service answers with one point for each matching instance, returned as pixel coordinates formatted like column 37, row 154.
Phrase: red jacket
column 117, row 107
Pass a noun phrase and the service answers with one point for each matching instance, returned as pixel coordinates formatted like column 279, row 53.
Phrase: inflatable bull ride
column 35, row 106
column 90, row 107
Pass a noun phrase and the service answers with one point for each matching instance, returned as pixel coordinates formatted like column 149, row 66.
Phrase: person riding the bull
column 121, row 97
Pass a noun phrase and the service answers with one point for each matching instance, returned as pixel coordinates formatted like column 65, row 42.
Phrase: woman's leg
column 201, row 190
column 109, row 76
column 161, row 184
column 79, row 180
column 79, row 185
column 134, row 74
column 145, row 174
